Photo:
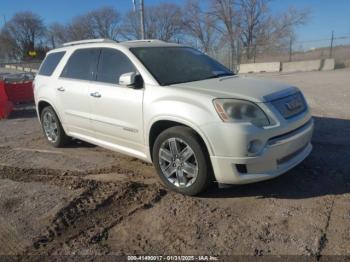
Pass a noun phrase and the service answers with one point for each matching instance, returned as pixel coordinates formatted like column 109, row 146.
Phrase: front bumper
column 279, row 154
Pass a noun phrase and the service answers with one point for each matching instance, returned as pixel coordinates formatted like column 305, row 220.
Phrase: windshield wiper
column 220, row 75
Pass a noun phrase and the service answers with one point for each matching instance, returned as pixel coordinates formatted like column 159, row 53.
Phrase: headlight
column 234, row 110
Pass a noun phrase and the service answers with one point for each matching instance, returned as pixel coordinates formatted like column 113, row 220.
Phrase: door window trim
column 55, row 68
column 70, row 56
column 98, row 63
column 95, row 75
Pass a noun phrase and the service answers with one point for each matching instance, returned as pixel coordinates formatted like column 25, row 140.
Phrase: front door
column 116, row 113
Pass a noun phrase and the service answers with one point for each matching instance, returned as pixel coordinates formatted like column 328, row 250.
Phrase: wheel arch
column 160, row 125
column 42, row 103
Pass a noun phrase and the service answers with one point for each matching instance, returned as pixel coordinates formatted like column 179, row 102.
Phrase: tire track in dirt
column 84, row 222
column 23, row 158
column 24, row 174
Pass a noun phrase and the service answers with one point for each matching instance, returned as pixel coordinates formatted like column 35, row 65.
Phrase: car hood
column 247, row 88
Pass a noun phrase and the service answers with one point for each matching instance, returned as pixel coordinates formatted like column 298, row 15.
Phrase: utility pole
column 142, row 19
column 140, row 9
column 331, row 47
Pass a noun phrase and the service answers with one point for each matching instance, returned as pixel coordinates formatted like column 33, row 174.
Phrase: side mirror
column 132, row 80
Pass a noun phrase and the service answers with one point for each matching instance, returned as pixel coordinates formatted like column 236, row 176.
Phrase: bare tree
column 105, row 22
column 100, row 23
column 252, row 22
column 24, row 31
column 130, row 28
column 225, row 24
column 227, row 14
column 200, row 25
column 163, row 21
column 284, row 24
column 258, row 27
column 80, row 28
column 8, row 49
column 56, row 35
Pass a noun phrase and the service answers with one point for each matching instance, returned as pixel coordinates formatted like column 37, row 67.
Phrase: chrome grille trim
column 291, row 105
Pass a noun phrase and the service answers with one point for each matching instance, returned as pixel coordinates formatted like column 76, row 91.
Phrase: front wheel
column 182, row 161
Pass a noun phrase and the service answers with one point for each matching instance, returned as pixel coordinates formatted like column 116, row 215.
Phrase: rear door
column 117, row 110
column 73, row 90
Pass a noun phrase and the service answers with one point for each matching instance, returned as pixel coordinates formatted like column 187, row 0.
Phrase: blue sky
column 327, row 15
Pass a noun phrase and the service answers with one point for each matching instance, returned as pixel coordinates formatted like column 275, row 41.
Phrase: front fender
column 191, row 114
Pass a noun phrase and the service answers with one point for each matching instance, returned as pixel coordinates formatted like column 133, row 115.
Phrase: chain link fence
column 337, row 47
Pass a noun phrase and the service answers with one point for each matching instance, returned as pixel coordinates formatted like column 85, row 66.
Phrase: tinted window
column 172, row 65
column 82, row 64
column 50, row 63
column 112, row 65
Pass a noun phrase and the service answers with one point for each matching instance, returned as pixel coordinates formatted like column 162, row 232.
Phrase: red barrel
column 20, row 92
column 6, row 106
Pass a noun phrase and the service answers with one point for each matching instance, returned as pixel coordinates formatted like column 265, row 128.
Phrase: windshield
column 173, row 65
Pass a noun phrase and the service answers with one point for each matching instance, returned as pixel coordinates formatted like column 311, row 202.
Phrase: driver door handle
column 61, row 89
column 96, row 95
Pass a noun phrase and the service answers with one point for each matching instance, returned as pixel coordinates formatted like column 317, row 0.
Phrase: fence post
column 238, row 54
column 331, row 47
column 254, row 53
column 290, row 49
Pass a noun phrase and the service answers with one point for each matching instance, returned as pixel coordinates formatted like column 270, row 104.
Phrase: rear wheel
column 52, row 128
column 181, row 161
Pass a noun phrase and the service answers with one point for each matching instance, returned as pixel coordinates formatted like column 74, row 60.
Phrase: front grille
column 276, row 139
column 291, row 105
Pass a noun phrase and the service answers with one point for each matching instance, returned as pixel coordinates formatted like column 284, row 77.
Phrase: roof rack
column 145, row 40
column 90, row 41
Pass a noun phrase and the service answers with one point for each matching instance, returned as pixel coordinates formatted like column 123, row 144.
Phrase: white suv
column 174, row 106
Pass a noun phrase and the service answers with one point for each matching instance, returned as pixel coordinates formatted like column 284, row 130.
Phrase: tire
column 52, row 128
column 189, row 159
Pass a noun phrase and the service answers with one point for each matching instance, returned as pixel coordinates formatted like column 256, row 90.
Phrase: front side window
column 173, row 65
column 82, row 64
column 112, row 65
column 50, row 63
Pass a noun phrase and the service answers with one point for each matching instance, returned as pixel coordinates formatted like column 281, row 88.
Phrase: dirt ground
column 87, row 200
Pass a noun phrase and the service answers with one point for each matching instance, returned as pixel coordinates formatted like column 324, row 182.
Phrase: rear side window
column 82, row 64
column 112, row 65
column 50, row 63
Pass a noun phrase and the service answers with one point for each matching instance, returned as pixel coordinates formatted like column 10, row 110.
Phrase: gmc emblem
column 294, row 104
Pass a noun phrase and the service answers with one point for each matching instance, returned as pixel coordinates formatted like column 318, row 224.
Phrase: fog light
column 254, row 146
column 241, row 168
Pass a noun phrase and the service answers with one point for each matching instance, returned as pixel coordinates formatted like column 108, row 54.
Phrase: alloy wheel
column 50, row 126
column 178, row 162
